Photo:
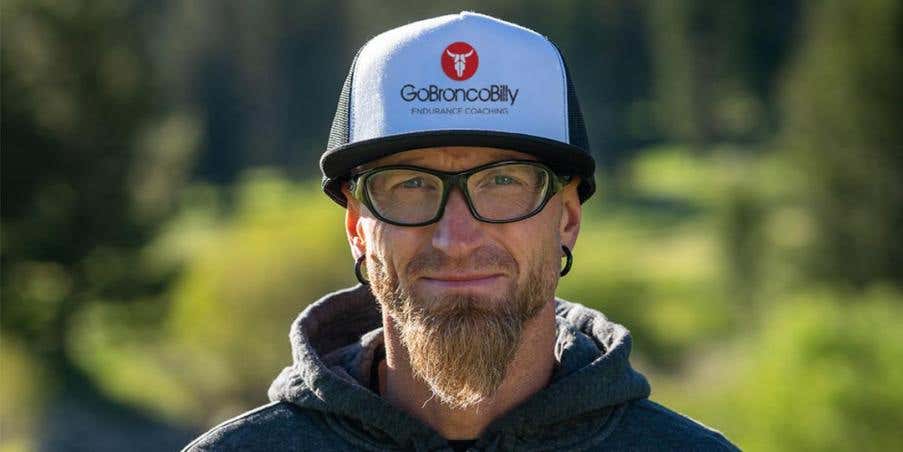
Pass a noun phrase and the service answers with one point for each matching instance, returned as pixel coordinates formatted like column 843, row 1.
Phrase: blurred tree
column 742, row 246
column 716, row 63
column 609, row 56
column 265, row 74
column 79, row 123
column 844, row 104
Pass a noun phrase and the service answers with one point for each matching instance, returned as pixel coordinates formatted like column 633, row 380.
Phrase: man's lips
column 461, row 276
column 462, row 279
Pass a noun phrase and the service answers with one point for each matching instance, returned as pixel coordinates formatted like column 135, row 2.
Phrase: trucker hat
column 462, row 79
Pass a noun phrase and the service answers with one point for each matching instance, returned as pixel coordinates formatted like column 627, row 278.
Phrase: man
column 459, row 151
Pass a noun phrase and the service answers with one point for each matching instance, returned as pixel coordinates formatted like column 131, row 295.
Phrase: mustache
column 486, row 258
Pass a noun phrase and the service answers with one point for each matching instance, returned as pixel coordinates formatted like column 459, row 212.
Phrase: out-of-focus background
column 162, row 222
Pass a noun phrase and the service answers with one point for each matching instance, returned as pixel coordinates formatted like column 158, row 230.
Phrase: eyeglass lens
column 498, row 193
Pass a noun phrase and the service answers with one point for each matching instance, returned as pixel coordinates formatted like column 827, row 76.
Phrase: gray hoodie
column 324, row 400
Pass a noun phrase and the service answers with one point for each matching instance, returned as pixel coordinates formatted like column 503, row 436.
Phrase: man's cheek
column 376, row 242
column 390, row 257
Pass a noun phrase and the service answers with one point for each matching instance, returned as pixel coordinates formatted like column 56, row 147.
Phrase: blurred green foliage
column 746, row 229
column 20, row 396
column 844, row 103
column 245, row 274
column 821, row 372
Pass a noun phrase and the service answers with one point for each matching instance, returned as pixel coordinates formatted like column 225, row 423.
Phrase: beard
column 461, row 345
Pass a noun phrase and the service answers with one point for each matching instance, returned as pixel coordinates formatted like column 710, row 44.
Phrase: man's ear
column 353, row 228
column 571, row 211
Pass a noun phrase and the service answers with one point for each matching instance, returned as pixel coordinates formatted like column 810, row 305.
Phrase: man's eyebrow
column 370, row 165
column 413, row 160
column 420, row 160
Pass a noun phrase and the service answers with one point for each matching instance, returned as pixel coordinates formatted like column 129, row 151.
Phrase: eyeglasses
column 499, row 192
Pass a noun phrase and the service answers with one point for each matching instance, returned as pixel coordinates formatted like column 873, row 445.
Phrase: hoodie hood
column 336, row 340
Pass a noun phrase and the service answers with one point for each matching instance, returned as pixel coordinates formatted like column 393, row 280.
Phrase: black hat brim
column 564, row 158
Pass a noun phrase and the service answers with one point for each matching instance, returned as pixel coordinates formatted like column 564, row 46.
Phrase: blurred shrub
column 284, row 248
column 675, row 254
column 822, row 373
column 655, row 277
column 246, row 273
column 20, row 399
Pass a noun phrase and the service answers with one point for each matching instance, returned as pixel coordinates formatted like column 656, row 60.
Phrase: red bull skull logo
column 460, row 61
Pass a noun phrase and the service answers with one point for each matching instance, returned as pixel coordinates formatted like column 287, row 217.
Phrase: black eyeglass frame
column 456, row 179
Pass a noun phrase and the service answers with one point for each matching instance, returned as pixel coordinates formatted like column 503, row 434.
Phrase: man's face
column 460, row 290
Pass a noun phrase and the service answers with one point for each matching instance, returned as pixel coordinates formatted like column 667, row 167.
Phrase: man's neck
column 529, row 371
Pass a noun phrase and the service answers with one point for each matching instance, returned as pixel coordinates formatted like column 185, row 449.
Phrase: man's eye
column 503, row 180
column 416, row 182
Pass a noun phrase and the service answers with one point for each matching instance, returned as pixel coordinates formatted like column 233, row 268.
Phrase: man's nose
column 457, row 233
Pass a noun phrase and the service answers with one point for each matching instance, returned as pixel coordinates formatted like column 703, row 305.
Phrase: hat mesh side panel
column 576, row 126
column 339, row 133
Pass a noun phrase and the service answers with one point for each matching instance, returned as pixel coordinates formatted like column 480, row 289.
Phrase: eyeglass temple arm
column 560, row 182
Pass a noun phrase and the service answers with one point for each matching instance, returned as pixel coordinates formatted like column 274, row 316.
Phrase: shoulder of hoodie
column 646, row 425
column 274, row 426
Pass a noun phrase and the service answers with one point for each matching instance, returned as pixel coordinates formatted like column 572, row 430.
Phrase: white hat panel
column 515, row 84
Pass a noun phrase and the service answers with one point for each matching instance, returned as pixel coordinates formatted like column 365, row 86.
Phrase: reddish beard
column 461, row 345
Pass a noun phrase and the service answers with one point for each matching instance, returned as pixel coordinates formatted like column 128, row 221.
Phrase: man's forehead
column 451, row 158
